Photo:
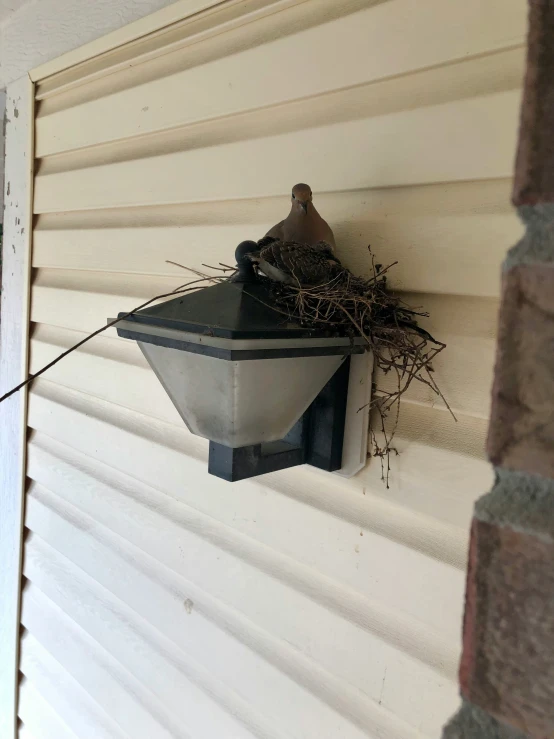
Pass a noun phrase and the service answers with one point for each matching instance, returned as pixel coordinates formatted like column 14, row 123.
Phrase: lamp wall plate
column 356, row 428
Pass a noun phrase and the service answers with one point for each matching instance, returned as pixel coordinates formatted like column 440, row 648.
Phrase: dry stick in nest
column 389, row 329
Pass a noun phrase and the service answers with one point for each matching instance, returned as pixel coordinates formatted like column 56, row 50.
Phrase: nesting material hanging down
column 310, row 284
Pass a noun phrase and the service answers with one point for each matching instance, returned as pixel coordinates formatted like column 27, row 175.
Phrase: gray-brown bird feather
column 297, row 264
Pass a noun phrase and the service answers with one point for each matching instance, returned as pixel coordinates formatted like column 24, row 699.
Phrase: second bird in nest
column 300, row 249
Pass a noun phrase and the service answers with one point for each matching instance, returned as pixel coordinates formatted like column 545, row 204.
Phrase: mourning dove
column 297, row 264
column 303, row 224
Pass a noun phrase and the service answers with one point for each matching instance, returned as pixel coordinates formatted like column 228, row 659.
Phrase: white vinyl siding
column 163, row 602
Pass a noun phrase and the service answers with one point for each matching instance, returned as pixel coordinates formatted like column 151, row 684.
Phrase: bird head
column 301, row 197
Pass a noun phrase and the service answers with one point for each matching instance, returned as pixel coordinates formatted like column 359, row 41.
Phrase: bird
column 298, row 264
column 303, row 224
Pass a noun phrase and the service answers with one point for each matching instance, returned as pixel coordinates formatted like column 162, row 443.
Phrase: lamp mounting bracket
column 316, row 439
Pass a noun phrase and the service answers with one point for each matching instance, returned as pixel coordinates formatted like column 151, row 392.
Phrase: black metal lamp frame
column 316, row 439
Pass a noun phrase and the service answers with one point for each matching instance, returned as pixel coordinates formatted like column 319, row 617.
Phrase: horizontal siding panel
column 290, row 67
column 224, row 30
column 461, row 140
column 176, row 25
column 142, row 392
column 217, row 636
column 239, row 553
column 137, row 287
column 360, row 516
column 435, row 427
column 145, row 36
column 24, row 733
column 191, row 694
column 439, row 252
column 85, row 718
column 484, row 75
column 130, row 704
column 102, row 297
column 464, row 370
column 82, row 301
column 457, row 479
column 40, row 720
column 486, row 197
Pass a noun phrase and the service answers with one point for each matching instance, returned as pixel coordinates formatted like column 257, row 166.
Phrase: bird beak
column 304, row 207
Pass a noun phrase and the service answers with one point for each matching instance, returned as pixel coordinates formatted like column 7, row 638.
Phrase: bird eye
column 293, row 196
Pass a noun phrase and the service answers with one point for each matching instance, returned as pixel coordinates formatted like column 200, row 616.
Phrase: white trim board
column 14, row 343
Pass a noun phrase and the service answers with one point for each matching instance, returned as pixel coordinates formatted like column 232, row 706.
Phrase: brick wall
column 507, row 669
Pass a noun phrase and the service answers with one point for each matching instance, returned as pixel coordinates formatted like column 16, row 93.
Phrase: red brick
column 507, row 666
column 534, row 178
column 521, row 433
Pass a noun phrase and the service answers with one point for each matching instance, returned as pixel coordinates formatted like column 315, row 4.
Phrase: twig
column 195, row 271
column 366, row 308
column 222, row 267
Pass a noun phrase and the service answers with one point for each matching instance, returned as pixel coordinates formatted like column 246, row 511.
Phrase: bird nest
column 366, row 308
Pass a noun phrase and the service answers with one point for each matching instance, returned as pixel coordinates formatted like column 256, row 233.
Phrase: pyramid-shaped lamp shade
column 239, row 372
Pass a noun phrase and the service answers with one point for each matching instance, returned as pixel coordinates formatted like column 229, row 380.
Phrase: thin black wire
column 178, row 291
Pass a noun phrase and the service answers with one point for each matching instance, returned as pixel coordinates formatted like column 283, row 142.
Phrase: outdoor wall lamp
column 267, row 392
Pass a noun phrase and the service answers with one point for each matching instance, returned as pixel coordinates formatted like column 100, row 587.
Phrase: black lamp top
column 230, row 310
